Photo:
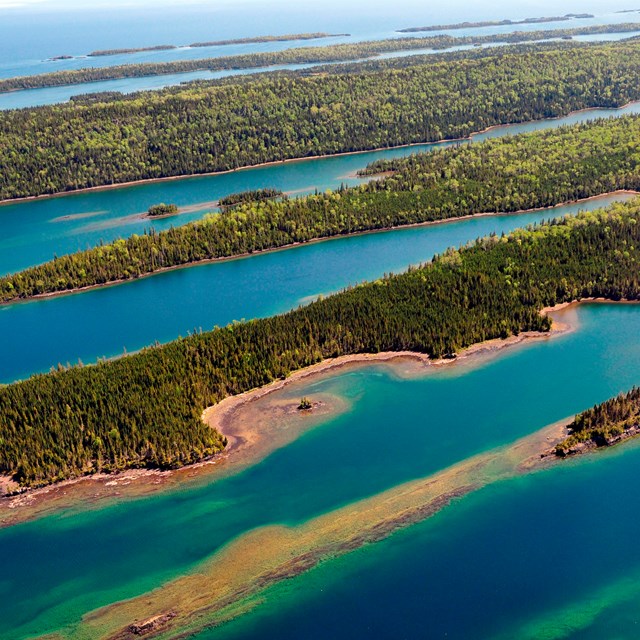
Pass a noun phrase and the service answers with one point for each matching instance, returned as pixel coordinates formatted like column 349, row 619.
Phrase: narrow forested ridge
column 301, row 55
column 604, row 425
column 204, row 129
column 144, row 410
column 217, row 43
column 501, row 175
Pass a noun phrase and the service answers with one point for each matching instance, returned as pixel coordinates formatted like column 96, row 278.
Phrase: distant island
column 343, row 52
column 497, row 23
column 258, row 39
column 117, row 52
column 213, row 43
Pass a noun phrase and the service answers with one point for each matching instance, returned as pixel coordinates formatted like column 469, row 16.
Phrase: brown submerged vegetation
column 234, row 579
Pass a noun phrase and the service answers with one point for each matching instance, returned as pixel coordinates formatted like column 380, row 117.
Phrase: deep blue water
column 61, row 566
column 107, row 321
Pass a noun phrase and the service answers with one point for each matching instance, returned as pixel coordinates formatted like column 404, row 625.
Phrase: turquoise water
column 54, row 95
column 527, row 558
column 107, row 321
column 63, row 566
column 34, row 231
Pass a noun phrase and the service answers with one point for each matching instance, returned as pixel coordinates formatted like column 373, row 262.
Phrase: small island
column 244, row 197
column 118, row 52
column 604, row 425
column 162, row 209
column 212, row 43
column 258, row 39
column 496, row 23
column 305, row 405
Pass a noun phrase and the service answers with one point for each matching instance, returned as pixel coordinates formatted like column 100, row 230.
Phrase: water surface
column 396, row 430
column 108, row 321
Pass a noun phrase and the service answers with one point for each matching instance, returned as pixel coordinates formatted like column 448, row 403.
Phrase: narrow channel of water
column 34, row 231
column 107, row 321
column 62, row 566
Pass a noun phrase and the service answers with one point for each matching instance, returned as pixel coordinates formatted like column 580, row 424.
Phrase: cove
column 36, row 230
column 105, row 322
column 396, row 430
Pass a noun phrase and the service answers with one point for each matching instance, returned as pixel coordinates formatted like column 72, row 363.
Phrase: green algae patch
column 579, row 615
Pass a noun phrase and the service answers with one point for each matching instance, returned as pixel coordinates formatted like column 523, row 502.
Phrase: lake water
column 469, row 559
column 34, row 231
column 206, row 23
column 549, row 555
column 109, row 321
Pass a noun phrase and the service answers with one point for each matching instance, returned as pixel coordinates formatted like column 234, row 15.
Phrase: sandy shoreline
column 255, row 423
column 293, row 245
column 133, row 183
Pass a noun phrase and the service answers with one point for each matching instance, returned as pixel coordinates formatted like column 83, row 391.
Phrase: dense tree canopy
column 145, row 409
column 504, row 174
column 605, row 424
column 303, row 55
column 203, row 129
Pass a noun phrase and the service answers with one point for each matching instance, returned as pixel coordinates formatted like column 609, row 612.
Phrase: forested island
column 496, row 23
column 218, row 43
column 205, row 129
column 132, row 412
column 162, row 209
column 604, row 425
column 302, row 55
column 501, row 175
column 244, row 197
column 117, row 52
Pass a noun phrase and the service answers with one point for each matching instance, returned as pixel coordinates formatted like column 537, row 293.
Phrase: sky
column 84, row 5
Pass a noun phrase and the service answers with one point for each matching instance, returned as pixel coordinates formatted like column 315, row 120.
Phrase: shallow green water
column 550, row 556
column 57, row 568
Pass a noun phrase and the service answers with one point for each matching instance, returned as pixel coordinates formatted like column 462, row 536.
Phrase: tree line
column 217, row 43
column 496, row 23
column 605, row 424
column 500, row 175
column 144, row 410
column 254, row 195
column 203, row 129
column 299, row 55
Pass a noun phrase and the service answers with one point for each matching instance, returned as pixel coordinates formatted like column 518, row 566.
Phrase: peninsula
column 496, row 23
column 471, row 179
column 130, row 413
